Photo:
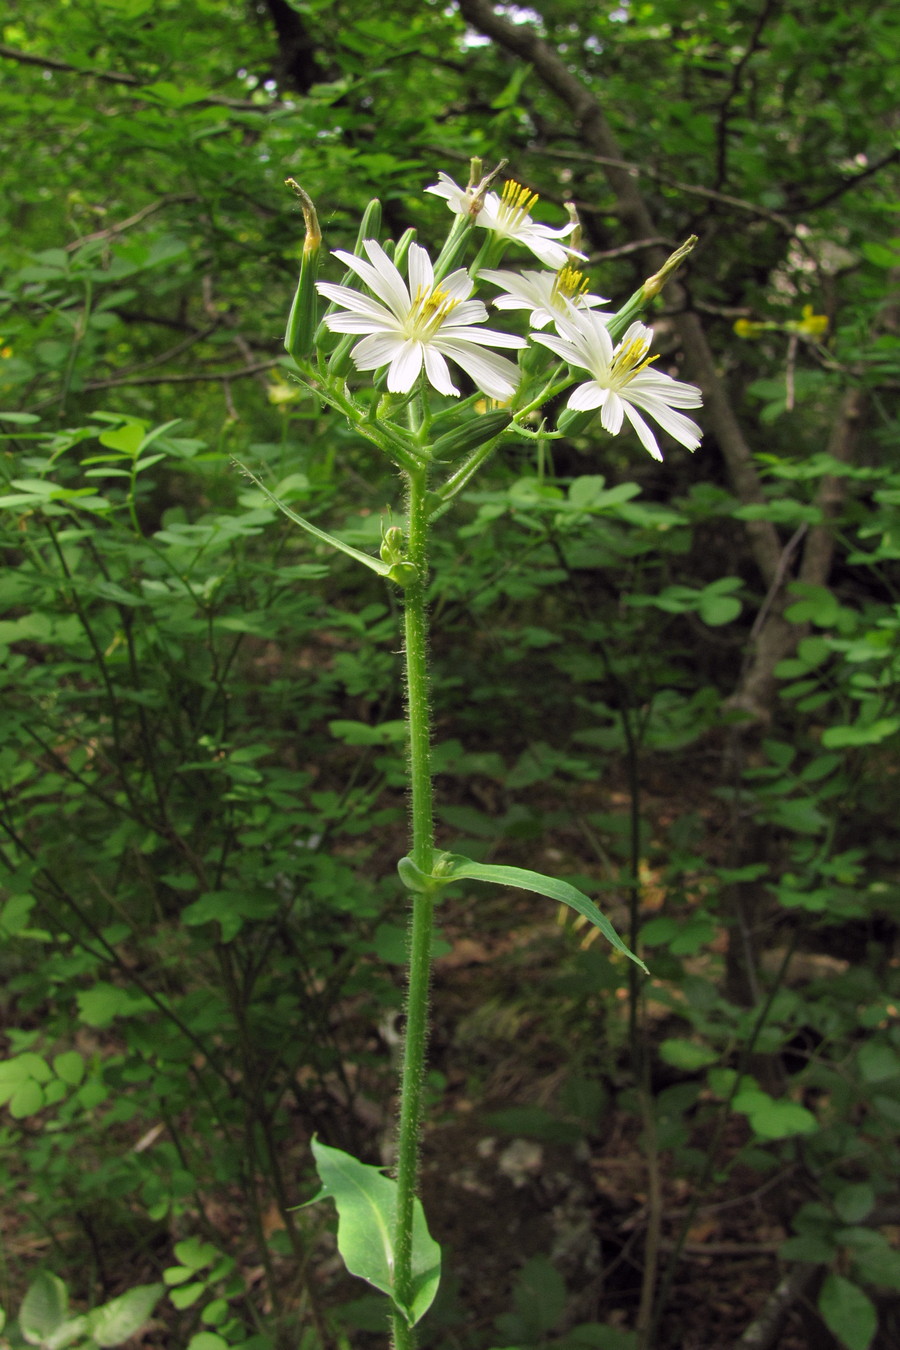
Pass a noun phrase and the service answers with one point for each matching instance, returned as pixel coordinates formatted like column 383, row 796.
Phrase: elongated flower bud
column 300, row 334
column 572, row 421
column 403, row 243
column 653, row 285
column 340, row 362
column 469, row 435
column 636, row 305
column 369, row 228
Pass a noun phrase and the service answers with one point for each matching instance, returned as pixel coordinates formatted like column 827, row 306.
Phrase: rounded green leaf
column 848, row 1312
column 808, row 1247
column 175, row 1275
column 860, row 733
column 717, row 609
column 43, row 1307
column 214, row 1313
column 659, row 931
column 775, row 1119
column 687, row 1055
column 186, row 1296
column 26, row 1100
column 878, row 1062
column 69, row 1066
column 25, row 1066
column 92, row 1094
column 853, row 1202
column 54, row 1092
column 207, row 1340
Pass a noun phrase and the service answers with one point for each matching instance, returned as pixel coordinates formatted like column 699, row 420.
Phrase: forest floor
column 514, row 1174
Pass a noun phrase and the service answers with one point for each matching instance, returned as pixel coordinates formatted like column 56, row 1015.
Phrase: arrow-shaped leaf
column 366, row 1203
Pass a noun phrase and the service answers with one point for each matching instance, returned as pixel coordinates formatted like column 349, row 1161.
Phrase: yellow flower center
column 630, row 359
column 515, row 204
column 570, row 284
column 429, row 310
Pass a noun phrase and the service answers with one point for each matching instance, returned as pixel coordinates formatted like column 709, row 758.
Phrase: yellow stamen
column 570, row 283
column 516, row 201
column 630, row 360
column 429, row 311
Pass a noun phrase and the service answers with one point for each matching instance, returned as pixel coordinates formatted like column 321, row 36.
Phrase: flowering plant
column 402, row 321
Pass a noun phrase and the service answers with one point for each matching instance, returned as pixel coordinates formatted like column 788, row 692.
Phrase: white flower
column 419, row 324
column 460, row 200
column 546, row 294
column 621, row 382
column 507, row 216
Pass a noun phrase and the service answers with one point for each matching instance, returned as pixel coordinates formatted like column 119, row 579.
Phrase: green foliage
column 201, row 769
column 451, row 867
column 366, row 1202
column 44, row 1318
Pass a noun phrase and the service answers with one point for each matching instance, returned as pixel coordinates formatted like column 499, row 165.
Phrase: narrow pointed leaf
column 526, row 880
column 383, row 569
column 366, row 1203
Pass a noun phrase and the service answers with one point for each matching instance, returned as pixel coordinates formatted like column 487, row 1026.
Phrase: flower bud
column 339, row 362
column 403, row 572
column 370, row 227
column 392, row 545
column 653, row 285
column 573, row 421
column 300, row 333
column 403, row 243
column 635, row 306
column 471, row 434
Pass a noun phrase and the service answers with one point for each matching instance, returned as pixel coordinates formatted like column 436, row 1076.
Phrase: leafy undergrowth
column 543, row 1174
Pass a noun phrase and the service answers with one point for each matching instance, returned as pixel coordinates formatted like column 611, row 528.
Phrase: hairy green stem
column 422, row 852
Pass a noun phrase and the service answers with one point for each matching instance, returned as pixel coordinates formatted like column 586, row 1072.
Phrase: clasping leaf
column 451, row 867
column 366, row 1203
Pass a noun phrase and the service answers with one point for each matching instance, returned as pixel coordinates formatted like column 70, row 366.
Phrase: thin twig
column 131, row 81
column 689, row 189
column 111, row 230
column 198, row 377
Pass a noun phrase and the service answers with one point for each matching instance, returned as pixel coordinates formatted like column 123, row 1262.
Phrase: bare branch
column 145, row 211
column 194, row 377
column 132, row 81
column 848, row 184
column 737, row 74
column 688, row 189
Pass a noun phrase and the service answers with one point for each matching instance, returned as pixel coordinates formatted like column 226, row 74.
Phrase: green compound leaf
column 402, row 573
column 366, row 1203
column 451, row 867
